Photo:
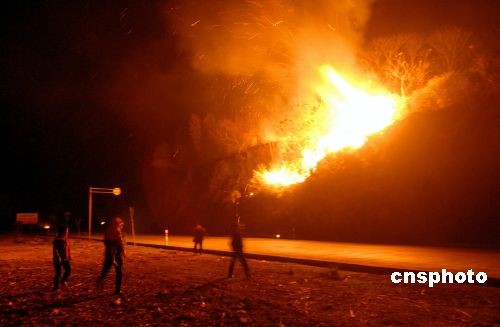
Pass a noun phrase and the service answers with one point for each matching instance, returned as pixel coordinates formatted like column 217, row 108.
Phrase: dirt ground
column 173, row 288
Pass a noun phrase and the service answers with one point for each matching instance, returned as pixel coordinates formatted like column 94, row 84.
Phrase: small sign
column 27, row 218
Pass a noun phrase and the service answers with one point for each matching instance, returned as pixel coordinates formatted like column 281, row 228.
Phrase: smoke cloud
column 271, row 50
column 271, row 37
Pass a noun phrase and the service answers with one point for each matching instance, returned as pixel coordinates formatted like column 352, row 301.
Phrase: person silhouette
column 237, row 246
column 61, row 256
column 199, row 234
column 114, row 250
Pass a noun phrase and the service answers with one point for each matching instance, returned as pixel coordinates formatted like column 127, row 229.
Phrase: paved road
column 386, row 256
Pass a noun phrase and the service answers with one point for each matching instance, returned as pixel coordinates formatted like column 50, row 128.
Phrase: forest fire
column 349, row 112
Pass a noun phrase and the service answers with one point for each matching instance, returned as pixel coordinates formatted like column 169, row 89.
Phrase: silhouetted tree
column 402, row 61
column 454, row 48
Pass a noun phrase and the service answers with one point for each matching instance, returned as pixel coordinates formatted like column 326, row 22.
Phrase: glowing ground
column 163, row 287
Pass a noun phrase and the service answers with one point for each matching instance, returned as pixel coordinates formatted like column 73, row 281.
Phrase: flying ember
column 350, row 112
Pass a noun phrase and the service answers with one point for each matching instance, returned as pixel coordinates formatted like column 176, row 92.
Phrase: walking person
column 237, row 246
column 61, row 256
column 199, row 234
column 114, row 250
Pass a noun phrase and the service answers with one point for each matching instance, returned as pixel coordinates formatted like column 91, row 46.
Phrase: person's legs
column 118, row 266
column 67, row 271
column 244, row 263
column 201, row 246
column 197, row 247
column 57, row 275
column 108, row 261
column 231, row 266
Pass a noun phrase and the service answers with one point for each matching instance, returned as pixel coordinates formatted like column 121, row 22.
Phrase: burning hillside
column 285, row 89
column 295, row 78
column 346, row 114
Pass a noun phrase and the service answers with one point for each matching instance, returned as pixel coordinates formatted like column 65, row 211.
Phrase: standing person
column 61, row 256
column 114, row 249
column 199, row 234
column 237, row 245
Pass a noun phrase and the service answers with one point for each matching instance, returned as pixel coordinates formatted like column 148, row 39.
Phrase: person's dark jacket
column 237, row 241
column 60, row 249
column 199, row 234
column 113, row 232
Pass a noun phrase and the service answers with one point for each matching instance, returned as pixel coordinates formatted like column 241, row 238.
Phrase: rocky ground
column 172, row 288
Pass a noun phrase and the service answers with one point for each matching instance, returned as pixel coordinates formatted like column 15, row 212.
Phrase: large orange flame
column 352, row 112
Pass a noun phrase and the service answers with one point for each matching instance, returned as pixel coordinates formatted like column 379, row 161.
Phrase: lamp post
column 100, row 190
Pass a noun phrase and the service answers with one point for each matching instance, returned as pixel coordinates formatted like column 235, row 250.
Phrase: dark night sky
column 393, row 16
column 57, row 133
column 61, row 126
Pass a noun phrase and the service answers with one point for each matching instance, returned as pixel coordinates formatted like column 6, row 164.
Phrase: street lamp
column 100, row 190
